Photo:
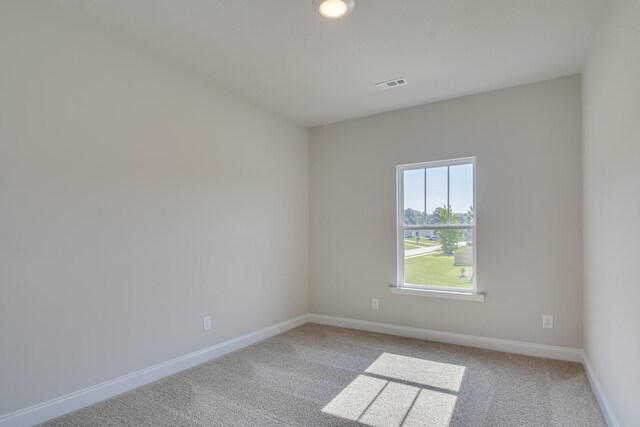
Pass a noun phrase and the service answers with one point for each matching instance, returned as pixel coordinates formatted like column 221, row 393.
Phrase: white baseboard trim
column 519, row 347
column 61, row 405
column 607, row 410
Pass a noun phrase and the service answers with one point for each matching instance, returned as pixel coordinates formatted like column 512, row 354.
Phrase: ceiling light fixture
column 333, row 9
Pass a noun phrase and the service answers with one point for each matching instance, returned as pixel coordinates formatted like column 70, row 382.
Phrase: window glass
column 437, row 195
column 437, row 225
column 461, row 194
column 443, row 260
column 414, row 196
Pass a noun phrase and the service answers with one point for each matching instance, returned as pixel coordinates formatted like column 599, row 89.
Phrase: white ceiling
column 282, row 55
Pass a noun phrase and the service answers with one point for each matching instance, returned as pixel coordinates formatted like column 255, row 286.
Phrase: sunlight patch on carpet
column 399, row 390
column 445, row 376
column 355, row 398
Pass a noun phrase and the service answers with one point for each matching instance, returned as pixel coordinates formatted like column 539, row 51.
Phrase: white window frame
column 425, row 290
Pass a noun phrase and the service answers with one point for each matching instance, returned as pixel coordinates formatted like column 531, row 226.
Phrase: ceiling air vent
column 391, row 83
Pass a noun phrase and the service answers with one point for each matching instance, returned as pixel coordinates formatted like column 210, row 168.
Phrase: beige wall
column 527, row 141
column 611, row 88
column 134, row 200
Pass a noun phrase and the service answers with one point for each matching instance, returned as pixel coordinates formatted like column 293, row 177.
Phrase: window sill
column 432, row 293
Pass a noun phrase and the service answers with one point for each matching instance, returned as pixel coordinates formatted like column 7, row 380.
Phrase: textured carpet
column 318, row 375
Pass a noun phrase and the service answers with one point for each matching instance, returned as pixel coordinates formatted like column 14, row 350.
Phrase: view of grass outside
column 438, row 269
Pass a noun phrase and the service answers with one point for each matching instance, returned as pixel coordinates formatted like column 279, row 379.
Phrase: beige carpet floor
column 324, row 376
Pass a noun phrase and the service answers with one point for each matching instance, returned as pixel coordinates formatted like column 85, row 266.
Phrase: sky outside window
column 414, row 189
column 460, row 188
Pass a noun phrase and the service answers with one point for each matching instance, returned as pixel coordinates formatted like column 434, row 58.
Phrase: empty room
column 319, row 213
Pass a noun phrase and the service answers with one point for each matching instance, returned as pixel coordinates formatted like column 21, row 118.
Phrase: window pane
column 461, row 194
column 439, row 258
column 414, row 196
column 437, row 195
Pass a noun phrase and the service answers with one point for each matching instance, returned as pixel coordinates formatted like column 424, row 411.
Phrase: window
column 436, row 226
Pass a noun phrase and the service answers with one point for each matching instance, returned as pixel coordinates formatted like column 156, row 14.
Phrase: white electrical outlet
column 206, row 323
column 375, row 304
column 547, row 321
